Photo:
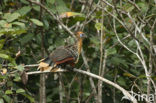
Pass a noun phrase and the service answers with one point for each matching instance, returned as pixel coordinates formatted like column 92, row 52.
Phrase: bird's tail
column 46, row 65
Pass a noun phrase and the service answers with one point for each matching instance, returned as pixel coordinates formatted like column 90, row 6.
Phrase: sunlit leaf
column 10, row 31
column 2, row 23
column 19, row 24
column 4, row 56
column 8, row 92
column 17, row 79
column 70, row 14
column 129, row 75
column 11, row 17
column 37, row 22
column 20, row 67
column 98, row 26
column 19, row 31
column 1, row 100
column 20, row 90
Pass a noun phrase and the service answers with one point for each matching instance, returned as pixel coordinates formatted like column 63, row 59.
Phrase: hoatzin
column 63, row 55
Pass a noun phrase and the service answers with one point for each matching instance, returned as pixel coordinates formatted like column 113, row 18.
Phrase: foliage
column 22, row 42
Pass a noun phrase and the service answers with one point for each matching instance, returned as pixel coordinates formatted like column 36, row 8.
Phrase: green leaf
column 36, row 7
column 76, row 14
column 1, row 100
column 19, row 24
column 10, row 83
column 46, row 24
column 132, row 43
column 3, row 23
column 20, row 67
column 11, row 17
column 61, row 6
column 2, row 43
column 142, row 76
column 4, row 56
column 59, row 42
column 70, row 14
column 121, row 81
column 98, row 26
column 96, row 42
column 128, row 7
column 17, row 79
column 26, row 38
column 19, row 31
column 1, row 34
column 117, row 60
column 37, row 22
column 12, row 32
column 111, row 51
column 135, row 71
column 20, row 91
column 7, row 98
column 8, row 92
column 32, row 100
column 24, row 10
column 50, row 1
column 24, row 1
column 143, row 6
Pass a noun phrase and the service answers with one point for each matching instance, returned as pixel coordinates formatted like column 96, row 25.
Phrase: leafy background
column 22, row 25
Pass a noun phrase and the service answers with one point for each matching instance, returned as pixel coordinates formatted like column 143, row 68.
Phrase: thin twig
column 42, row 76
column 101, row 68
column 60, row 88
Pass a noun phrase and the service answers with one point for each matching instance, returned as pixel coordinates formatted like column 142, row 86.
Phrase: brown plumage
column 63, row 55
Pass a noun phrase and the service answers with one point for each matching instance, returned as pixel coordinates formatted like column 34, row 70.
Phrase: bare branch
column 125, row 92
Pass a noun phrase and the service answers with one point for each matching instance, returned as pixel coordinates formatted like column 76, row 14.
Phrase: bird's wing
column 62, row 55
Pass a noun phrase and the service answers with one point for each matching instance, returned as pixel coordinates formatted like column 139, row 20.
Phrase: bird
column 63, row 55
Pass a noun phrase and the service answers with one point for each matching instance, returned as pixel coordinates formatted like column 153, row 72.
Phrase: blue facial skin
column 81, row 35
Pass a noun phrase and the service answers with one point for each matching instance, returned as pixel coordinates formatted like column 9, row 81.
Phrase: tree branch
column 125, row 92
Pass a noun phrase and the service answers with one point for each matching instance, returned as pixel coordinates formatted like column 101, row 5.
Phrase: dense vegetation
column 120, row 46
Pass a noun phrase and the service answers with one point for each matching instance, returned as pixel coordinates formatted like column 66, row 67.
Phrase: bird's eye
column 81, row 35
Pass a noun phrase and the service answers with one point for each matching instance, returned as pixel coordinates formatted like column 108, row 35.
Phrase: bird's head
column 80, row 35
